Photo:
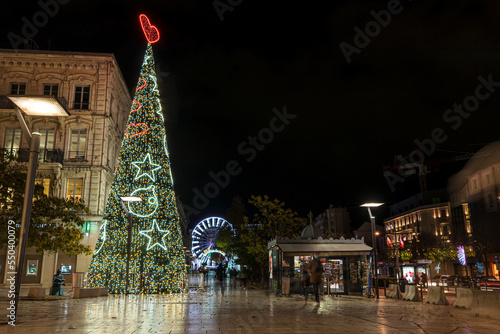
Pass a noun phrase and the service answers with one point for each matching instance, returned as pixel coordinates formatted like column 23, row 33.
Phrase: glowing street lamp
column 32, row 106
column 128, row 199
column 372, row 220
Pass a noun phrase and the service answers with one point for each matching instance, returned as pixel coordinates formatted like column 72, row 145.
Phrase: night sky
column 221, row 80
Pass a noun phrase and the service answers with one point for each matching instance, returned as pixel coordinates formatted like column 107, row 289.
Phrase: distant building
column 475, row 194
column 335, row 220
column 427, row 212
column 78, row 153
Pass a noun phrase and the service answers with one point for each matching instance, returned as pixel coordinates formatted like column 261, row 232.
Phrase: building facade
column 78, row 153
column 416, row 218
column 333, row 221
column 475, row 196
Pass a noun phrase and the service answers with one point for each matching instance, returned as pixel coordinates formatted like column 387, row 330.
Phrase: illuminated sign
column 461, row 255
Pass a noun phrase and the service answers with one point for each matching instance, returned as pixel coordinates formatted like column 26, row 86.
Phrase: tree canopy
column 270, row 219
column 56, row 224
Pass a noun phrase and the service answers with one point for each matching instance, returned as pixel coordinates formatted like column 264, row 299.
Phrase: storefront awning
column 325, row 249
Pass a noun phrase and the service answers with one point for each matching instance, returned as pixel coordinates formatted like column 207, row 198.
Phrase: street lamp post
column 129, row 235
column 32, row 106
column 372, row 220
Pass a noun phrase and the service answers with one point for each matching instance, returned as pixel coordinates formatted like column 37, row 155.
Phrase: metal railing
column 81, row 105
column 22, row 155
column 51, row 156
column 76, row 155
column 5, row 103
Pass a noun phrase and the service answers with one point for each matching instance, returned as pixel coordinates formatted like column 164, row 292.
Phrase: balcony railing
column 81, row 105
column 51, row 156
column 5, row 103
column 23, row 155
column 76, row 156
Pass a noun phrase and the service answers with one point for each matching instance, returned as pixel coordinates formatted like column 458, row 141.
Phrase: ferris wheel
column 205, row 232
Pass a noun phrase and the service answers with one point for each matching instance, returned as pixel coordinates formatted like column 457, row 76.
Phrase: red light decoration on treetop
column 151, row 32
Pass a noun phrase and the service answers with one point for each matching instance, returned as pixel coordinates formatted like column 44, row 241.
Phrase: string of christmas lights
column 157, row 263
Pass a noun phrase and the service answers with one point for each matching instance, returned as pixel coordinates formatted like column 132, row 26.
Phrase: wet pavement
column 240, row 311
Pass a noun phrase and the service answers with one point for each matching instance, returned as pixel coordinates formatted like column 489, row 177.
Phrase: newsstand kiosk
column 345, row 264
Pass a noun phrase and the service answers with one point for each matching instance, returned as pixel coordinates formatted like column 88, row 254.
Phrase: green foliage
column 441, row 253
column 271, row 219
column 55, row 225
column 405, row 255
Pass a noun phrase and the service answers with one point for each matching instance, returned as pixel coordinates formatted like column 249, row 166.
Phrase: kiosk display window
column 336, row 279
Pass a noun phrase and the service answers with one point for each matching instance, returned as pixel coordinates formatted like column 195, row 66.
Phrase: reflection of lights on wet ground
column 245, row 311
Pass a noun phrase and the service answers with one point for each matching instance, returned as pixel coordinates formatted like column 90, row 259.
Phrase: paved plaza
column 240, row 311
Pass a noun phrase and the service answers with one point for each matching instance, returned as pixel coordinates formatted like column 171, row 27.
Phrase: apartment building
column 78, row 153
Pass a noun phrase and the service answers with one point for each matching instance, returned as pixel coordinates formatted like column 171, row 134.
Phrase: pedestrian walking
column 316, row 269
column 304, row 279
column 424, row 279
column 417, row 281
column 232, row 275
column 243, row 276
column 219, row 273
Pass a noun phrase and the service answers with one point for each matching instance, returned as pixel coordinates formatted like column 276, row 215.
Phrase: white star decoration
column 149, row 165
column 156, row 235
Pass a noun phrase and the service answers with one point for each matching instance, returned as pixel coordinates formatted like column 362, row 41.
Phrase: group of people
column 421, row 278
column 220, row 274
column 311, row 273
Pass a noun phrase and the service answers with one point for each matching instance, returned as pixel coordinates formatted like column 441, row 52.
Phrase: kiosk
column 345, row 264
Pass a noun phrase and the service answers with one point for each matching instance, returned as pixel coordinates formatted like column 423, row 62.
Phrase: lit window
column 82, row 97
column 12, row 141
column 78, row 144
column 74, row 188
column 18, row 89
column 46, row 145
column 45, row 182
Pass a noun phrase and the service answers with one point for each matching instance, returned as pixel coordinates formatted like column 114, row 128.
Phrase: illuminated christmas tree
column 157, row 263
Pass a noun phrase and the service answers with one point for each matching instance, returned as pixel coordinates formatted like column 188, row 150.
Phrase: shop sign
column 424, row 261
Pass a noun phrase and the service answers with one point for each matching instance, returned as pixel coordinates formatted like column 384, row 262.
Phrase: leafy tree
column 55, row 225
column 444, row 252
column 271, row 220
column 426, row 241
column 405, row 255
